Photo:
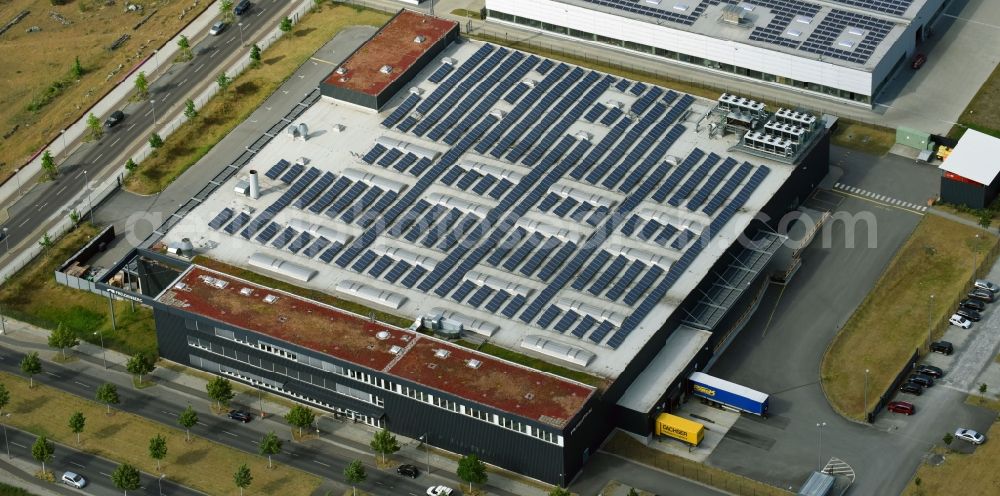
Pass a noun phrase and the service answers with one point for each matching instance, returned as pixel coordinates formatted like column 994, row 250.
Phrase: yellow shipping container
column 689, row 431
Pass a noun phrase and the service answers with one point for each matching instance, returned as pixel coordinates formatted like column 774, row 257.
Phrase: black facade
column 970, row 194
column 214, row 347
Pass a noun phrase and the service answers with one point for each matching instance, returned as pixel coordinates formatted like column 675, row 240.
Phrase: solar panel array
column 895, row 7
column 823, row 40
column 686, row 17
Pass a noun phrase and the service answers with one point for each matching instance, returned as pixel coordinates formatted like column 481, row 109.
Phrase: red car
column 903, row 407
column 918, row 60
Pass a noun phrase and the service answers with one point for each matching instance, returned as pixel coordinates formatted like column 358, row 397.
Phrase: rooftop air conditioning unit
column 385, row 69
column 341, row 70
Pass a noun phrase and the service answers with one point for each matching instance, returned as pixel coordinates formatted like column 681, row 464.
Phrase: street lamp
column 104, row 351
column 975, row 256
column 930, row 305
column 159, row 483
column 18, row 177
column 3, row 322
column 819, row 454
column 90, row 196
column 152, row 104
column 63, row 134
column 427, row 449
column 242, row 43
column 6, row 241
column 865, row 412
column 7, row 444
column 156, row 57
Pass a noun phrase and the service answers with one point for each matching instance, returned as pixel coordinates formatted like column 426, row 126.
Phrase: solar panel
column 461, row 229
column 566, row 321
column 452, row 175
column 585, row 324
column 383, row 203
column 649, row 229
column 538, row 115
column 361, row 205
column 727, row 188
column 628, row 227
column 406, row 221
column 895, row 7
column 595, row 112
column 480, row 296
column 643, row 285
column 497, row 300
column 467, row 179
column 411, row 279
column 544, row 66
column 651, row 159
column 345, row 199
column 665, row 235
column 314, row 190
column 630, row 276
column 328, row 197
column 277, row 169
column 460, row 72
column 519, row 110
column 642, row 104
column 548, row 316
column 602, row 330
column 463, row 291
column 696, row 177
column 390, row 157
column 588, row 273
column 381, row 265
column 713, row 182
column 406, row 124
column 678, row 174
column 491, row 98
column 364, row 261
column 500, row 189
column 434, row 234
column 518, row 256
column 565, row 206
column 373, row 154
column 221, row 218
column 515, row 304
column 421, row 166
column 823, row 39
column 556, row 261
column 682, row 239
column 304, row 239
column 612, row 116
column 331, row 252
column 622, row 85
column 608, row 275
column 581, row 211
column 517, row 92
column 237, row 223
column 536, row 259
column 400, row 268
column 504, row 248
column 403, row 109
column 284, row 238
column 484, row 184
column 634, row 134
column 405, row 162
column 292, row 173
column 440, row 73
column 269, row 232
column 599, row 214
column 550, row 200
column 637, row 89
column 574, row 114
column 316, row 247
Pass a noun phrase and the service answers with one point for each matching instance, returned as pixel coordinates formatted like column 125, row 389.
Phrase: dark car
column 242, row 7
column 981, row 294
column 969, row 314
column 114, row 119
column 240, row 415
column 971, row 304
column 912, row 388
column 930, row 370
column 923, row 380
column 918, row 61
column 904, row 407
column 408, row 470
column 943, row 347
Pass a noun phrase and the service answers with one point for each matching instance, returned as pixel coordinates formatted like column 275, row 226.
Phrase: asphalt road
column 95, row 469
column 323, row 458
column 95, row 161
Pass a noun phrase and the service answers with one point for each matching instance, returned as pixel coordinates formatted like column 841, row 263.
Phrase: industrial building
column 841, row 49
column 970, row 175
column 618, row 232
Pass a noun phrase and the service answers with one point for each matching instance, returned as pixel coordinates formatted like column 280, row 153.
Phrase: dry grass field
column 983, row 112
column 33, row 62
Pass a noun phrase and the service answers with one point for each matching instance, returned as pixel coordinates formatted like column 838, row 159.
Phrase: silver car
column 987, row 285
column 217, row 28
column 73, row 479
column 970, row 436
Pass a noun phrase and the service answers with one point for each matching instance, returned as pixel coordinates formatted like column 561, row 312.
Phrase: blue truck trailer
column 726, row 393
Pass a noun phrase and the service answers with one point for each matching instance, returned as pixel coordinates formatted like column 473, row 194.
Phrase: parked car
column 240, row 415
column 970, row 436
column 969, row 314
column 73, row 479
column 218, row 28
column 976, row 305
column 958, row 320
column 242, row 7
column 904, row 407
column 439, row 491
column 408, row 470
column 923, row 380
column 930, row 370
column 987, row 285
column 918, row 61
column 114, row 119
column 982, row 295
column 943, row 347
column 912, row 388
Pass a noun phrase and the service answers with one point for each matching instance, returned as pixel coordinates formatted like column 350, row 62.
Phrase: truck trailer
column 728, row 394
column 689, row 431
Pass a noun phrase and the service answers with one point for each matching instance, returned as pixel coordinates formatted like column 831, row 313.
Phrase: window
column 513, row 425
column 223, row 333
column 277, row 350
column 414, row 393
column 479, row 414
column 609, row 41
column 446, row 404
column 544, row 435
column 583, row 35
column 353, row 393
column 553, row 28
column 191, row 324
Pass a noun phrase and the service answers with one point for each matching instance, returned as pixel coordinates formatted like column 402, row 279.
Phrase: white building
column 841, row 49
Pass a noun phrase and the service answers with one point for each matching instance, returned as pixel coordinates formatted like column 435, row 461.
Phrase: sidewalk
column 344, row 435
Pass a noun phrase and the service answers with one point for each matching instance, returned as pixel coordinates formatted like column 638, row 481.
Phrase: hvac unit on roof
column 341, row 70
column 385, row 69
column 441, row 353
column 420, row 39
column 472, row 363
column 382, row 335
column 395, row 350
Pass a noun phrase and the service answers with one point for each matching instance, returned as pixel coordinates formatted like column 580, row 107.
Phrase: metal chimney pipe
column 254, row 185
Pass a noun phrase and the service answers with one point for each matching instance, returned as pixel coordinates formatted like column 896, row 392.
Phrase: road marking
column 165, row 97
column 82, row 384
column 78, row 175
column 255, row 442
column 53, row 375
column 115, row 141
column 169, row 413
column 885, row 200
column 184, row 81
column 213, row 54
column 76, row 464
column 25, row 222
column 199, row 67
column 321, row 463
column 16, row 444
column 104, row 474
column 202, row 423
column 99, row 157
column 150, row 111
column 130, row 127
column 40, row 207
column 230, row 433
column 259, row 13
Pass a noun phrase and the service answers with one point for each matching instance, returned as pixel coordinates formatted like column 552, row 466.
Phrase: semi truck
column 689, row 431
column 727, row 394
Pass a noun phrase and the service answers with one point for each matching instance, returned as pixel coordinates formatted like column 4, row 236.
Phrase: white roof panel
column 975, row 157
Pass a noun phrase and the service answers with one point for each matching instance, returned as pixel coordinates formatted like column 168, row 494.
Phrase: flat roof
column 407, row 213
column 975, row 157
column 663, row 370
column 851, row 33
column 402, row 353
column 394, row 46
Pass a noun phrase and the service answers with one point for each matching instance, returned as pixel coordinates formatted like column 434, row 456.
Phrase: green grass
column 869, row 138
column 310, row 294
column 983, row 112
column 973, row 473
column 9, row 490
column 536, row 363
column 893, row 320
column 474, row 14
column 193, row 139
column 33, row 296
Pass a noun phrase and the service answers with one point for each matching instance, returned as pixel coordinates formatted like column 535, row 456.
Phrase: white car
column 958, row 320
column 987, row 285
column 439, row 491
column 73, row 479
column 217, row 28
column 970, row 436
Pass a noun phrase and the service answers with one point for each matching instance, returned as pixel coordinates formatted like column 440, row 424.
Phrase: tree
column 472, row 470
column 300, row 416
column 355, row 474
column 226, row 10
column 76, row 423
column 107, row 393
column 270, row 445
column 42, row 450
column 319, row 3
column 189, row 109
column 188, row 419
column 384, row 443
column 185, row 47
column 948, row 438
column 632, row 492
column 158, row 449
column 224, row 82
column 46, row 241
column 130, row 165
column 31, row 365
column 74, row 217
column 286, row 25
column 4, row 398
column 155, row 141
column 559, row 491
column 985, row 218
column 220, row 390
column 62, row 337
column 94, row 127
column 77, row 69
column 49, row 165
column 142, row 85
column 126, row 478
column 139, row 365
column 255, row 55
column 242, row 478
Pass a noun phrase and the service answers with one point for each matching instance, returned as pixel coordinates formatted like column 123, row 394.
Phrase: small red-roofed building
column 382, row 66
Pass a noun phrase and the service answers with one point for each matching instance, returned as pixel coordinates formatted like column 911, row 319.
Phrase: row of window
column 390, row 386
column 680, row 57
